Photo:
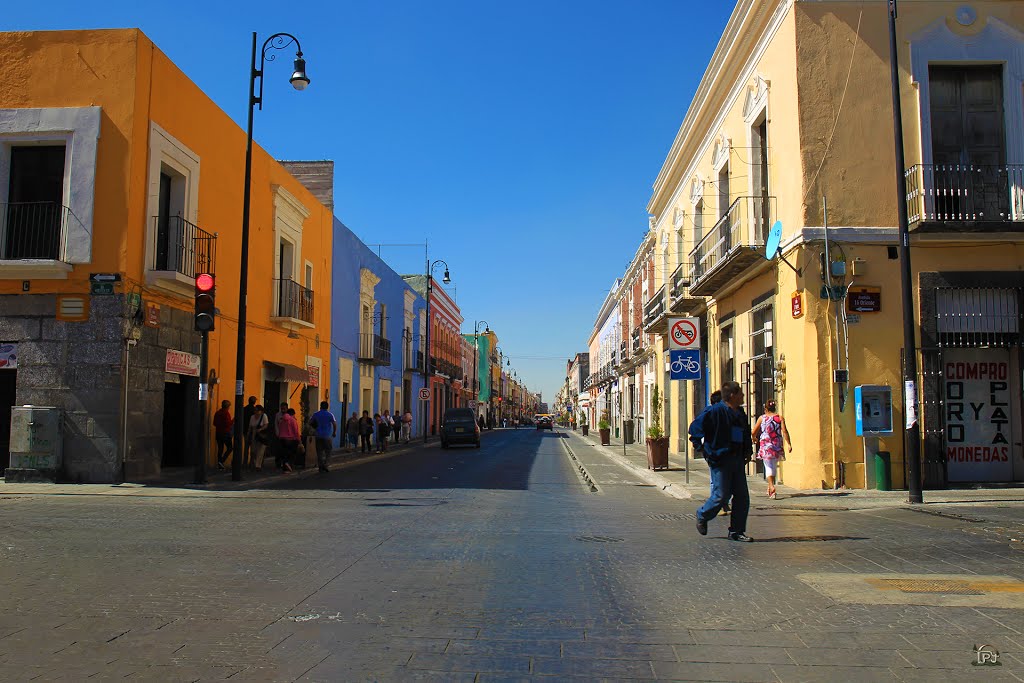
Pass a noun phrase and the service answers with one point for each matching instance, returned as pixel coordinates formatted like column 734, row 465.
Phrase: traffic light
column 205, row 288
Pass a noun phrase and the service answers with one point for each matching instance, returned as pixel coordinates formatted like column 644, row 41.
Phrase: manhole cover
column 926, row 586
column 599, row 539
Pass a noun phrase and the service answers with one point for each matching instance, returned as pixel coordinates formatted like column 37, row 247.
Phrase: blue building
column 376, row 323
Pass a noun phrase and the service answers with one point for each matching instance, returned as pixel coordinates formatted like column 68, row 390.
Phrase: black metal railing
column 655, row 307
column 965, row 192
column 680, row 282
column 294, row 301
column 33, row 230
column 374, row 348
column 638, row 340
column 624, row 350
column 744, row 226
column 182, row 247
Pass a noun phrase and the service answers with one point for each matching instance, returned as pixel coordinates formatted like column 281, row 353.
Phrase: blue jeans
column 728, row 479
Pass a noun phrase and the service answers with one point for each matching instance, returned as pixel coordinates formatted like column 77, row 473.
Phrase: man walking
column 366, row 427
column 352, row 431
column 326, row 428
column 725, row 439
column 696, row 435
column 222, row 424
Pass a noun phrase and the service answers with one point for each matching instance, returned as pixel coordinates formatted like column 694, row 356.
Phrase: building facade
column 119, row 182
column 445, row 359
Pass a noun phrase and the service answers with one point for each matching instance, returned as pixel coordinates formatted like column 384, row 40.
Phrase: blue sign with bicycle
column 684, row 363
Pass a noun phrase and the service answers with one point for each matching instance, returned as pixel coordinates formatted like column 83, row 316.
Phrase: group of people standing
column 279, row 433
column 373, row 433
column 720, row 433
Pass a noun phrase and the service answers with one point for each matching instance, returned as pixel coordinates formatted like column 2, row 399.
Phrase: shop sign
column 314, row 375
column 152, row 315
column 8, row 356
column 978, row 406
column 181, row 363
column 797, row 301
column 864, row 300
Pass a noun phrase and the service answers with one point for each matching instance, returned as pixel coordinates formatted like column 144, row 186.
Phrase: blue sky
column 519, row 139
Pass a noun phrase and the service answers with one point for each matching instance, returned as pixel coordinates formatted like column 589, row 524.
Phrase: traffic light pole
column 204, row 396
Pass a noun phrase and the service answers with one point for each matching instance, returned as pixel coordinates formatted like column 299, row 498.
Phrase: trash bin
column 883, row 471
column 627, row 431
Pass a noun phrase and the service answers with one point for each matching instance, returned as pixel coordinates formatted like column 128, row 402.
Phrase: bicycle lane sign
column 684, row 333
column 684, row 364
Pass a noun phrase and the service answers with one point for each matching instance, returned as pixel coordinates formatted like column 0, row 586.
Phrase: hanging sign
column 152, row 315
column 684, row 333
column 797, row 302
column 181, row 363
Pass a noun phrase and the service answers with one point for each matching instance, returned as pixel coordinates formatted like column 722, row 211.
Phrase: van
column 459, row 426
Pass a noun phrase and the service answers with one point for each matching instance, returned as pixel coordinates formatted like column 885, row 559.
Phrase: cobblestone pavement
column 498, row 564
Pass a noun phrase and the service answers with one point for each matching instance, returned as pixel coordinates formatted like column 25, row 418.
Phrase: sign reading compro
column 181, row 363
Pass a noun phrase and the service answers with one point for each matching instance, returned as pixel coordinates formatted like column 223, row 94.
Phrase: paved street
column 497, row 564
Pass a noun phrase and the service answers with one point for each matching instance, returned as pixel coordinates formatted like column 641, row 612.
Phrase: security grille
column 978, row 316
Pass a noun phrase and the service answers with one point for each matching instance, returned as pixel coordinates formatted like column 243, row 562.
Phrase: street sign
column 424, row 394
column 684, row 333
column 104, row 277
column 684, row 364
column 101, row 288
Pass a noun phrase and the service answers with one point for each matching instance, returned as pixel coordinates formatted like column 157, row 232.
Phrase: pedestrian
column 259, row 436
column 727, row 448
column 222, row 424
column 366, row 427
column 768, row 433
column 352, row 432
column 480, row 421
column 696, row 436
column 298, row 455
column 382, row 432
column 325, row 428
column 287, row 438
column 247, row 412
column 407, row 426
column 390, row 425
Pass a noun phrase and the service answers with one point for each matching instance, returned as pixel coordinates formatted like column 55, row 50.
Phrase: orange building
column 119, row 182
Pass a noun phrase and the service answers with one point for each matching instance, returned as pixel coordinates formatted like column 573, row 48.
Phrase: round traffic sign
column 424, row 394
column 684, row 333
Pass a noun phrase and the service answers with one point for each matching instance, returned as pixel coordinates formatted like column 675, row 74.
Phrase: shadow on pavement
column 810, row 539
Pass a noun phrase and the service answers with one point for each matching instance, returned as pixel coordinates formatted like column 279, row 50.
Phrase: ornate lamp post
column 299, row 81
column 427, row 370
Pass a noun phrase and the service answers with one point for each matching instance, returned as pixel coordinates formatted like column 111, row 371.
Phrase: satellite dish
column 771, row 245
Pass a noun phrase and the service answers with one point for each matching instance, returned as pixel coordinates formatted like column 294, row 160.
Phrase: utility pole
column 912, row 429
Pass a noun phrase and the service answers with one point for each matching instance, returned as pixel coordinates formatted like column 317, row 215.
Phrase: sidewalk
column 672, row 482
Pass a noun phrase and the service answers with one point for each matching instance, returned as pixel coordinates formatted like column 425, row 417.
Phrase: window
column 32, row 218
column 698, row 222
column 170, row 233
column 727, row 353
column 762, row 356
column 723, row 191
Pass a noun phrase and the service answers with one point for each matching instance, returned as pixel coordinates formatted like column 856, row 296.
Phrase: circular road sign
column 424, row 394
column 684, row 333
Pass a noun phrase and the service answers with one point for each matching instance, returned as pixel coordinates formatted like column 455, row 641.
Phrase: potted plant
column 583, row 422
column 657, row 442
column 604, row 429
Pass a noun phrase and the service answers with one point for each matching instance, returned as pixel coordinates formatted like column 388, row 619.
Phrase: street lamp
column 299, row 81
column 476, row 362
column 911, row 430
column 427, row 371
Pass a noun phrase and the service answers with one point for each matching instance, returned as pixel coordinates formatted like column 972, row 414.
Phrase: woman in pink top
column 288, row 435
column 768, row 434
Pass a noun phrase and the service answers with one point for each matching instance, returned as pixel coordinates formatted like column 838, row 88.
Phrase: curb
column 584, row 474
column 664, row 485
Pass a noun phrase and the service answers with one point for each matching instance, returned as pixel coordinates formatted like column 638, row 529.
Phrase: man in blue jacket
column 724, row 433
column 697, row 435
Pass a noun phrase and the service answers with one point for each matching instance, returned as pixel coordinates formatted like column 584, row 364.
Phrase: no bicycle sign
column 684, row 333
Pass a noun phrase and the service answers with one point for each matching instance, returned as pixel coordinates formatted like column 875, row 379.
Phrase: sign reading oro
column 683, row 333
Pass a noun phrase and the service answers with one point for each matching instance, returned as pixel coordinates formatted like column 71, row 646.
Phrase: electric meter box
column 36, row 444
column 873, row 409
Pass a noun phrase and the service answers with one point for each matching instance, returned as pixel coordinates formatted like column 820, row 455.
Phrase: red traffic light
column 204, row 282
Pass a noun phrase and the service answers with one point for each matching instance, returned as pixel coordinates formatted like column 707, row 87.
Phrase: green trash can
column 883, row 471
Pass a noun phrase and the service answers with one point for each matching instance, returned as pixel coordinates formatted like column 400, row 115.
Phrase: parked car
column 544, row 422
column 459, row 426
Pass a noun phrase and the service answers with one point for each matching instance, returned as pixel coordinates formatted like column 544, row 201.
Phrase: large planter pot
column 606, row 436
column 657, row 453
column 585, row 428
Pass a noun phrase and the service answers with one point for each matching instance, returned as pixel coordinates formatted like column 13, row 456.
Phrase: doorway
column 8, row 386
column 174, row 425
column 272, row 393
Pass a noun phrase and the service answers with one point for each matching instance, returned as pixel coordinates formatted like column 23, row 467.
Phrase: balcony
column 733, row 246
column 656, row 313
column 679, row 298
column 623, row 352
column 374, row 349
column 181, row 250
column 965, row 198
column 293, row 304
column 638, row 341
column 33, row 240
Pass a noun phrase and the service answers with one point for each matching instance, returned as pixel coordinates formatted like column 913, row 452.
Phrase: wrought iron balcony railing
column 638, row 341
column 293, row 301
column 965, row 193
column 655, row 309
column 735, row 243
column 624, row 350
column 182, row 247
column 679, row 298
column 33, row 230
column 374, row 349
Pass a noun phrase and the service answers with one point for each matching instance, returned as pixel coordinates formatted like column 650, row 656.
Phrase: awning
column 283, row 372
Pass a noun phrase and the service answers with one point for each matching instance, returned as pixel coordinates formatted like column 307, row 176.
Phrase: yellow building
column 115, row 168
column 792, row 123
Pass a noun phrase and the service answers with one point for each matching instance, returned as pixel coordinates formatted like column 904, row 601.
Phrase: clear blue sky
column 519, row 138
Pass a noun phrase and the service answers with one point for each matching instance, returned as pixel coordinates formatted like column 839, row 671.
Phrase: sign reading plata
column 864, row 300
column 181, row 363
